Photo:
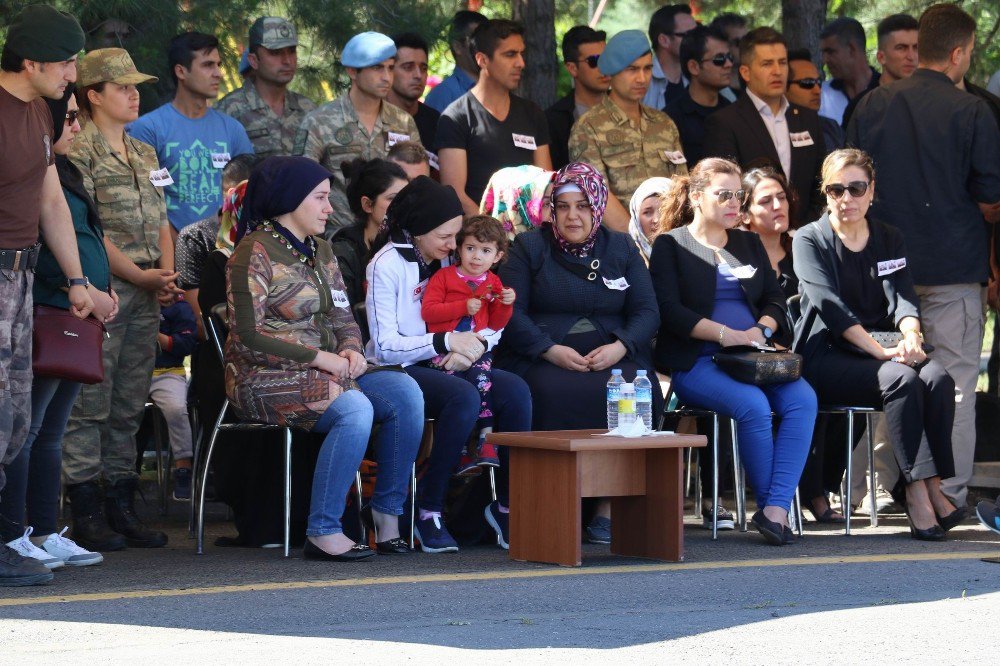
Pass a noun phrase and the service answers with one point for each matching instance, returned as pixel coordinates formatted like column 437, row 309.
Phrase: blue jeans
column 454, row 405
column 398, row 407
column 773, row 463
column 347, row 423
column 33, row 476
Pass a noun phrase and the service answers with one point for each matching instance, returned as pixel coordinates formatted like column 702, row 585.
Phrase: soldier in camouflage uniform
column 270, row 113
column 339, row 131
column 127, row 187
column 623, row 139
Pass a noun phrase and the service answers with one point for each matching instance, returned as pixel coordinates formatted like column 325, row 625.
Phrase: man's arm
column 615, row 215
column 56, row 225
column 543, row 158
column 455, row 172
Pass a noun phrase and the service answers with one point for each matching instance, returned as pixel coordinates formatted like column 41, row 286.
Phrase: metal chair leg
column 715, row 476
column 797, row 512
column 161, row 485
column 493, row 492
column 288, row 489
column 199, row 488
column 361, row 499
column 739, row 479
column 699, row 491
column 413, row 503
column 872, row 507
column 687, row 480
column 845, row 496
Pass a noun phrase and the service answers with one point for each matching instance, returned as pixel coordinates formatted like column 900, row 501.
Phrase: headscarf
column 277, row 186
column 420, row 207
column 232, row 206
column 69, row 175
column 656, row 186
column 595, row 189
column 514, row 196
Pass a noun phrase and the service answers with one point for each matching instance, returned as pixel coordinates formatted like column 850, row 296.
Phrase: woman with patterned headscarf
column 517, row 196
column 585, row 305
column 644, row 208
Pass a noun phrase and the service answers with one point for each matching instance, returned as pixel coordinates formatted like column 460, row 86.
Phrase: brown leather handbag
column 67, row 347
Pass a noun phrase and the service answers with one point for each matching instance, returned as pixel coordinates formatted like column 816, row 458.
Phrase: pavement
column 874, row 595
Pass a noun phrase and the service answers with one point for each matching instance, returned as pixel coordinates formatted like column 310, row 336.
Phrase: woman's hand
column 605, row 356
column 357, row 364
column 456, row 362
column 105, row 305
column 755, row 335
column 332, row 364
column 733, row 338
column 468, row 344
column 910, row 350
column 566, row 357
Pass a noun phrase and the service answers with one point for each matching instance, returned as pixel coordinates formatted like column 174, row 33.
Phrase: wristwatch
column 766, row 330
column 78, row 282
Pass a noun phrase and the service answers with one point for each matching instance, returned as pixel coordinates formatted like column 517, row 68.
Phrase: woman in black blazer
column 715, row 287
column 854, row 280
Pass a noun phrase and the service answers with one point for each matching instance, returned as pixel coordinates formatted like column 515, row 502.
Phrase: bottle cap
column 640, row 373
column 616, row 371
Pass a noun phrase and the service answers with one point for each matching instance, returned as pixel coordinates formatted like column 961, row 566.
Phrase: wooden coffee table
column 550, row 472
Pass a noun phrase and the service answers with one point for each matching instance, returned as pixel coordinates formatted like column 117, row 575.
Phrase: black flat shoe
column 311, row 551
column 828, row 516
column 952, row 519
column 397, row 546
column 787, row 536
column 773, row 532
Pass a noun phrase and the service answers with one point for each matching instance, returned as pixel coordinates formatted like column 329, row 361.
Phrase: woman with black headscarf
column 31, row 497
column 294, row 356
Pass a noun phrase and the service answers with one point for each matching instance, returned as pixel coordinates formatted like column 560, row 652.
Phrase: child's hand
column 507, row 296
column 473, row 305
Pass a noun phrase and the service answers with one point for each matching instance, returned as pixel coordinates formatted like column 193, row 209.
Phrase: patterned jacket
column 280, row 313
column 269, row 133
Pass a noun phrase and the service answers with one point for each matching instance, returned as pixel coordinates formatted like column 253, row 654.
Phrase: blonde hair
column 845, row 158
column 675, row 204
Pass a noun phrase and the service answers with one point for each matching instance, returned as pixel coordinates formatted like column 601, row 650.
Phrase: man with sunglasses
column 708, row 63
column 667, row 27
column 936, row 147
column 804, row 82
column 581, row 47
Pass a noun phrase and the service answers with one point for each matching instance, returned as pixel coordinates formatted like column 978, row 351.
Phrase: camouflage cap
column 111, row 65
column 273, row 32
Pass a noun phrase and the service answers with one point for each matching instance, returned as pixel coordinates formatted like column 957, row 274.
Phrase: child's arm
column 435, row 309
column 179, row 329
column 500, row 313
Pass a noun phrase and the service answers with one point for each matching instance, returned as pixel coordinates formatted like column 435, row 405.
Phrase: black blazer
column 560, row 118
column 684, row 274
column 824, row 314
column 738, row 132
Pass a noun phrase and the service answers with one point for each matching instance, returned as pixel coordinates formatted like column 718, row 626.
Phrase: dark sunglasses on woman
column 857, row 188
column 71, row 116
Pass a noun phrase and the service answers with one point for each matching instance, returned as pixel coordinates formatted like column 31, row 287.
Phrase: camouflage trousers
column 100, row 435
column 15, row 364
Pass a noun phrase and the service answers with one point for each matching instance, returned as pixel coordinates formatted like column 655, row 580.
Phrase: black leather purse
column 751, row 365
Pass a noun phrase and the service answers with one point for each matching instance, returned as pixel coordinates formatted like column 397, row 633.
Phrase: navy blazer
column 738, row 132
column 824, row 314
column 684, row 278
column 551, row 299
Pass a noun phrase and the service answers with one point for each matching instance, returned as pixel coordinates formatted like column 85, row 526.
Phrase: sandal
column 828, row 516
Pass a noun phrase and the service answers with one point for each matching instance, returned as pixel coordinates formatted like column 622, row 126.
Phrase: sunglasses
column 591, row 61
column 857, row 188
column 807, row 84
column 721, row 59
column 71, row 117
column 725, row 195
column 680, row 35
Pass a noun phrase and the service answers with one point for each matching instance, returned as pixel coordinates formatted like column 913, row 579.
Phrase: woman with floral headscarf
column 517, row 196
column 585, row 305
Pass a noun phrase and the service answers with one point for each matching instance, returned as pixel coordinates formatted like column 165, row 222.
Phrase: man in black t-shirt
column 490, row 128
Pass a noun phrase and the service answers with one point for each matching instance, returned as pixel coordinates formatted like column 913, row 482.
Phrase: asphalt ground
column 828, row 598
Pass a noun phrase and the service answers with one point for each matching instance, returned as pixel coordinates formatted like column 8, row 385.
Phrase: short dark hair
column 758, row 36
column 485, row 229
column 943, row 28
column 411, row 40
column 895, row 23
column 369, row 179
column 576, row 37
column 183, row 47
column 695, row 43
column 238, row 169
column 662, row 21
column 799, row 54
column 847, row 30
column 727, row 20
column 488, row 35
column 10, row 61
column 408, row 152
column 464, row 23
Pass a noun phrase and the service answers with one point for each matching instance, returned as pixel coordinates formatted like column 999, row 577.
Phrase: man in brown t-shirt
column 38, row 60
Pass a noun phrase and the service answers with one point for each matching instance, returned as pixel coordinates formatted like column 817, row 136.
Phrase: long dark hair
column 753, row 178
column 368, row 179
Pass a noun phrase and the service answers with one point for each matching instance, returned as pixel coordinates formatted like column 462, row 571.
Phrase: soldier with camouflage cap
column 359, row 123
column 625, row 140
column 124, row 178
column 267, row 109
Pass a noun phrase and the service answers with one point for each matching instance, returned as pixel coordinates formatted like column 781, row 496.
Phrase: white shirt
column 832, row 102
column 777, row 127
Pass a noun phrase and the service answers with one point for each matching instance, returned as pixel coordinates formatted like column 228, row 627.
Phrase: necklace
column 310, row 243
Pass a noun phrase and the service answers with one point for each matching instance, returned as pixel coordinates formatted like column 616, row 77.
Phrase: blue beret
column 622, row 50
column 367, row 49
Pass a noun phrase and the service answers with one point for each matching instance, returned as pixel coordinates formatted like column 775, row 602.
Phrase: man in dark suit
column 762, row 127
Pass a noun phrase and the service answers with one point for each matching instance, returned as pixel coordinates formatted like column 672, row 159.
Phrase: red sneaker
column 486, row 455
column 467, row 466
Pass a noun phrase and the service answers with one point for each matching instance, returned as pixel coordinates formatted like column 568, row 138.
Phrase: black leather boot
column 119, row 503
column 90, row 527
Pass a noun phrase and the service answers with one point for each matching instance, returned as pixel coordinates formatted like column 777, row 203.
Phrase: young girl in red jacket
column 470, row 297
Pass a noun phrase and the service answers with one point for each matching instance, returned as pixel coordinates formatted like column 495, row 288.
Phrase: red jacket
column 444, row 302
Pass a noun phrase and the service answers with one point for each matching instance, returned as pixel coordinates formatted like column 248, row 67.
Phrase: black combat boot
column 119, row 502
column 90, row 527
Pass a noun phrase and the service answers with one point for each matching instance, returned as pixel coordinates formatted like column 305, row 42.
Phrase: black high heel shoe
column 397, row 546
column 933, row 533
column 952, row 519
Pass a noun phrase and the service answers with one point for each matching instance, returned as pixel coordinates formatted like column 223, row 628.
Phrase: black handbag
column 885, row 339
column 752, row 365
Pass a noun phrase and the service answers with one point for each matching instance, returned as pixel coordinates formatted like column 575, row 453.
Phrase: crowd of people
column 390, row 268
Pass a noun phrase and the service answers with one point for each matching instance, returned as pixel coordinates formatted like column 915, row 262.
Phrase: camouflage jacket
column 627, row 155
column 269, row 133
column 332, row 134
column 131, row 208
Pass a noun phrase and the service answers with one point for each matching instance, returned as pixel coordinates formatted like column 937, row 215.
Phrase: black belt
column 20, row 260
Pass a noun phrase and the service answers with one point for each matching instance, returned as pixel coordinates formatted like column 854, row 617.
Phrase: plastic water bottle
column 643, row 398
column 614, row 393
column 626, row 405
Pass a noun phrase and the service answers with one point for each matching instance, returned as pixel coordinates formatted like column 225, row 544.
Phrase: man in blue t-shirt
column 192, row 140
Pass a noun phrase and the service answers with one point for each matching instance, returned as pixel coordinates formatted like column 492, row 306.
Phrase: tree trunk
column 801, row 23
column 538, row 83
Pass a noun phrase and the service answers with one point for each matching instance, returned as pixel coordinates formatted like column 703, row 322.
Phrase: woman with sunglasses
column 854, row 281
column 715, row 289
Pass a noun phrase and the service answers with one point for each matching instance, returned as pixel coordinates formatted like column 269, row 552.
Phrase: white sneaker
column 66, row 549
column 25, row 548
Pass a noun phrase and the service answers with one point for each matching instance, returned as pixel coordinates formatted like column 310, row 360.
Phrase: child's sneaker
column 66, row 549
column 486, row 455
column 500, row 522
column 467, row 465
column 433, row 535
column 25, row 548
column 182, row 484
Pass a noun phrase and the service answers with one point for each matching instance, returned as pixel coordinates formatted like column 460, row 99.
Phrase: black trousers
column 915, row 401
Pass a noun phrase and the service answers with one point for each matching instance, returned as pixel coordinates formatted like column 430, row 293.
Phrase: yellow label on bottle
column 626, row 406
